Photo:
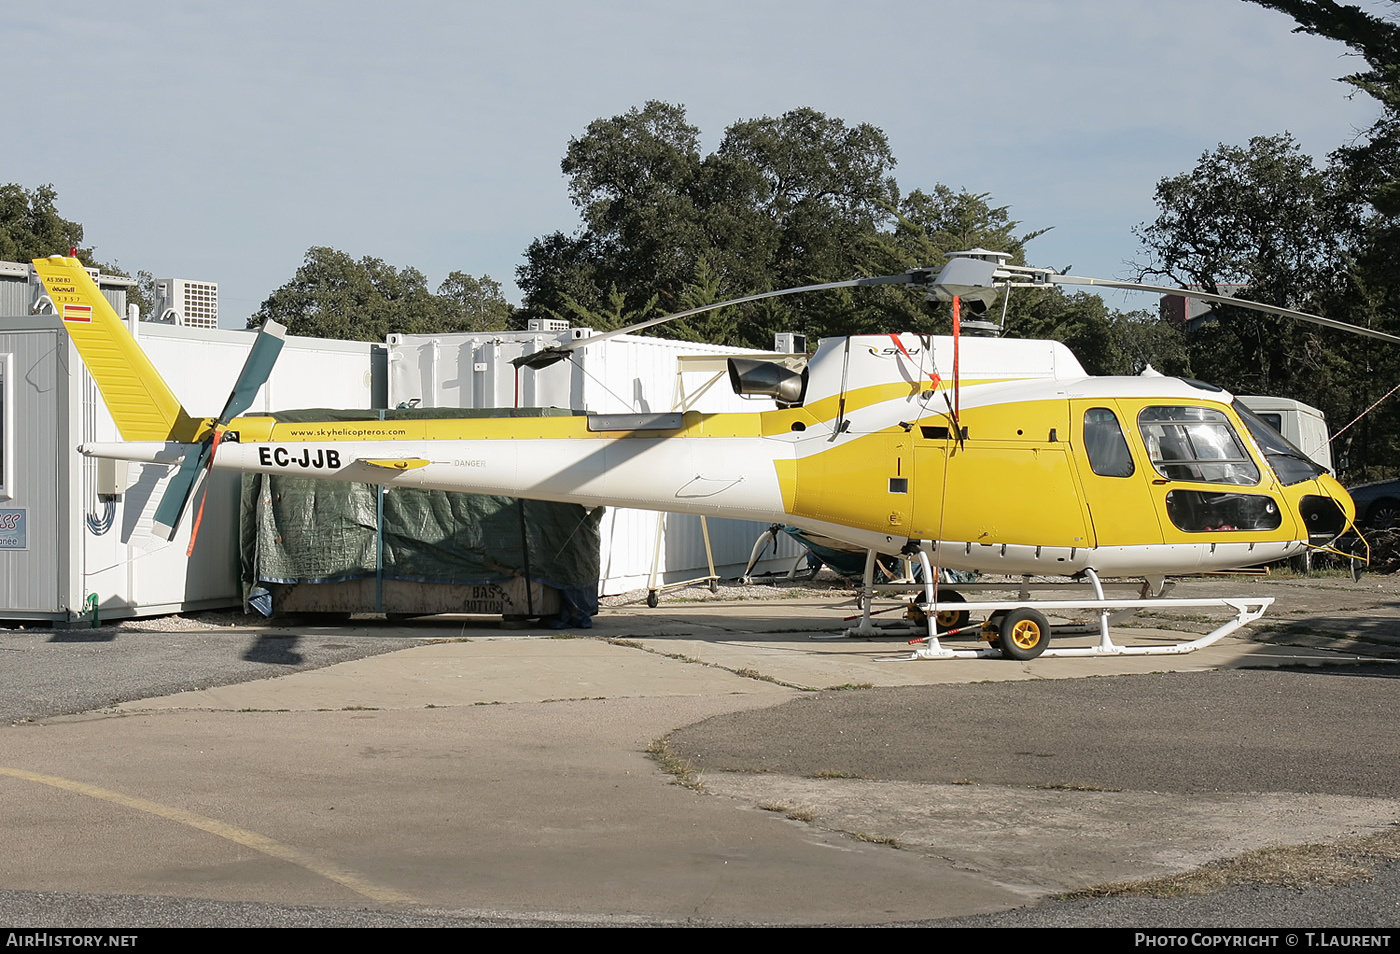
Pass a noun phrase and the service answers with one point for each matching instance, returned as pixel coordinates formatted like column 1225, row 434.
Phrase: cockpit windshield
column 1291, row 464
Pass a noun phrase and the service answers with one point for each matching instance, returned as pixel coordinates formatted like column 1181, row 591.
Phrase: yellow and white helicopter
column 1019, row 462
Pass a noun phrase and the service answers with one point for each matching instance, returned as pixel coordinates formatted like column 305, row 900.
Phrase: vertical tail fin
column 141, row 403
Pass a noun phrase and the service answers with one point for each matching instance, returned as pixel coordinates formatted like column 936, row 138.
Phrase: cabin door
column 1116, row 477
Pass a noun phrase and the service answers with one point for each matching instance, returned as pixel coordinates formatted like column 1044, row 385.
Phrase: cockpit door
column 1206, row 484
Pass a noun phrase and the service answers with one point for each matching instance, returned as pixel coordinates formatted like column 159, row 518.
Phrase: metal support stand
column 931, row 649
column 653, row 589
column 680, row 401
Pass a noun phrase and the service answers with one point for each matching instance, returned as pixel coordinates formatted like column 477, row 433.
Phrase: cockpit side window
column 1195, row 443
column 1105, row 444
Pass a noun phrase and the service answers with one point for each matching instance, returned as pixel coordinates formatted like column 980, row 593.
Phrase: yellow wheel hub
column 1025, row 634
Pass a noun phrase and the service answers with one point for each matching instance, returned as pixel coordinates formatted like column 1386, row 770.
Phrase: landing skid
column 1019, row 629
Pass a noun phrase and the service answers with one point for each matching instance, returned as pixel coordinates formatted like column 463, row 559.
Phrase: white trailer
column 81, row 535
column 1303, row 425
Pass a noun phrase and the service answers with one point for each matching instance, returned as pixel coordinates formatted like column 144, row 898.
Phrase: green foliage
column 1323, row 240
column 143, row 294
column 785, row 201
column 932, row 224
column 334, row 296
column 929, row 225
column 1261, row 215
column 795, row 200
column 30, row 226
column 1371, row 161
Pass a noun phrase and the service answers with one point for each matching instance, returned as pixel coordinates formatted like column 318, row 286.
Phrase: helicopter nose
column 1326, row 515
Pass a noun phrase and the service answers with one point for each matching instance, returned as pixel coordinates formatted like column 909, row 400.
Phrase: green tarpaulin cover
column 300, row 530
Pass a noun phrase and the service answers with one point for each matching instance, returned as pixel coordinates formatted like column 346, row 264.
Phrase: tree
column 633, row 179
column 1374, row 162
column 1265, row 217
column 334, row 296
column 1368, row 172
column 784, row 201
column 929, row 225
column 933, row 224
column 473, row 304
column 30, row 226
column 1261, row 215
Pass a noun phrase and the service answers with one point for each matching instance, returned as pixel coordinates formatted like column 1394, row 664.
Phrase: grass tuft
column 877, row 839
column 682, row 772
column 754, row 674
column 1074, row 787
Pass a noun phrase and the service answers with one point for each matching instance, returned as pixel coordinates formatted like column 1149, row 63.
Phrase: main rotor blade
column 972, row 274
column 256, row 369
column 1227, row 300
column 547, row 356
column 177, row 493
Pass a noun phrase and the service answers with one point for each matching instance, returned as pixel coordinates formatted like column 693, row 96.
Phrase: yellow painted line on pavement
column 241, row 836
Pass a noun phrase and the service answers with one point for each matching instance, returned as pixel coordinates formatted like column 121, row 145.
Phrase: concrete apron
column 510, row 775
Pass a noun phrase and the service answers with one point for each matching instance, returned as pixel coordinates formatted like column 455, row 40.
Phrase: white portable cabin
column 81, row 528
column 626, row 374
column 1304, row 425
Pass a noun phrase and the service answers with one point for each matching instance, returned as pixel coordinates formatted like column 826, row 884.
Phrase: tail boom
column 736, row 480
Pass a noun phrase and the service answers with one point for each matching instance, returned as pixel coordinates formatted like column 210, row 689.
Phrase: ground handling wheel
column 1025, row 633
column 947, row 619
column 950, row 618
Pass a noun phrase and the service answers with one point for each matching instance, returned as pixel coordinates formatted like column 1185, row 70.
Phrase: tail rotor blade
column 256, row 370
column 204, row 495
column 177, row 493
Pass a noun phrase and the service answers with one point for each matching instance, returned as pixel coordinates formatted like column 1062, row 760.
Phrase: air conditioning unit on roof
column 186, row 302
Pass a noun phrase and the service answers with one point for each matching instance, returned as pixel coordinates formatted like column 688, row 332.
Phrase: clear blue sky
column 219, row 141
